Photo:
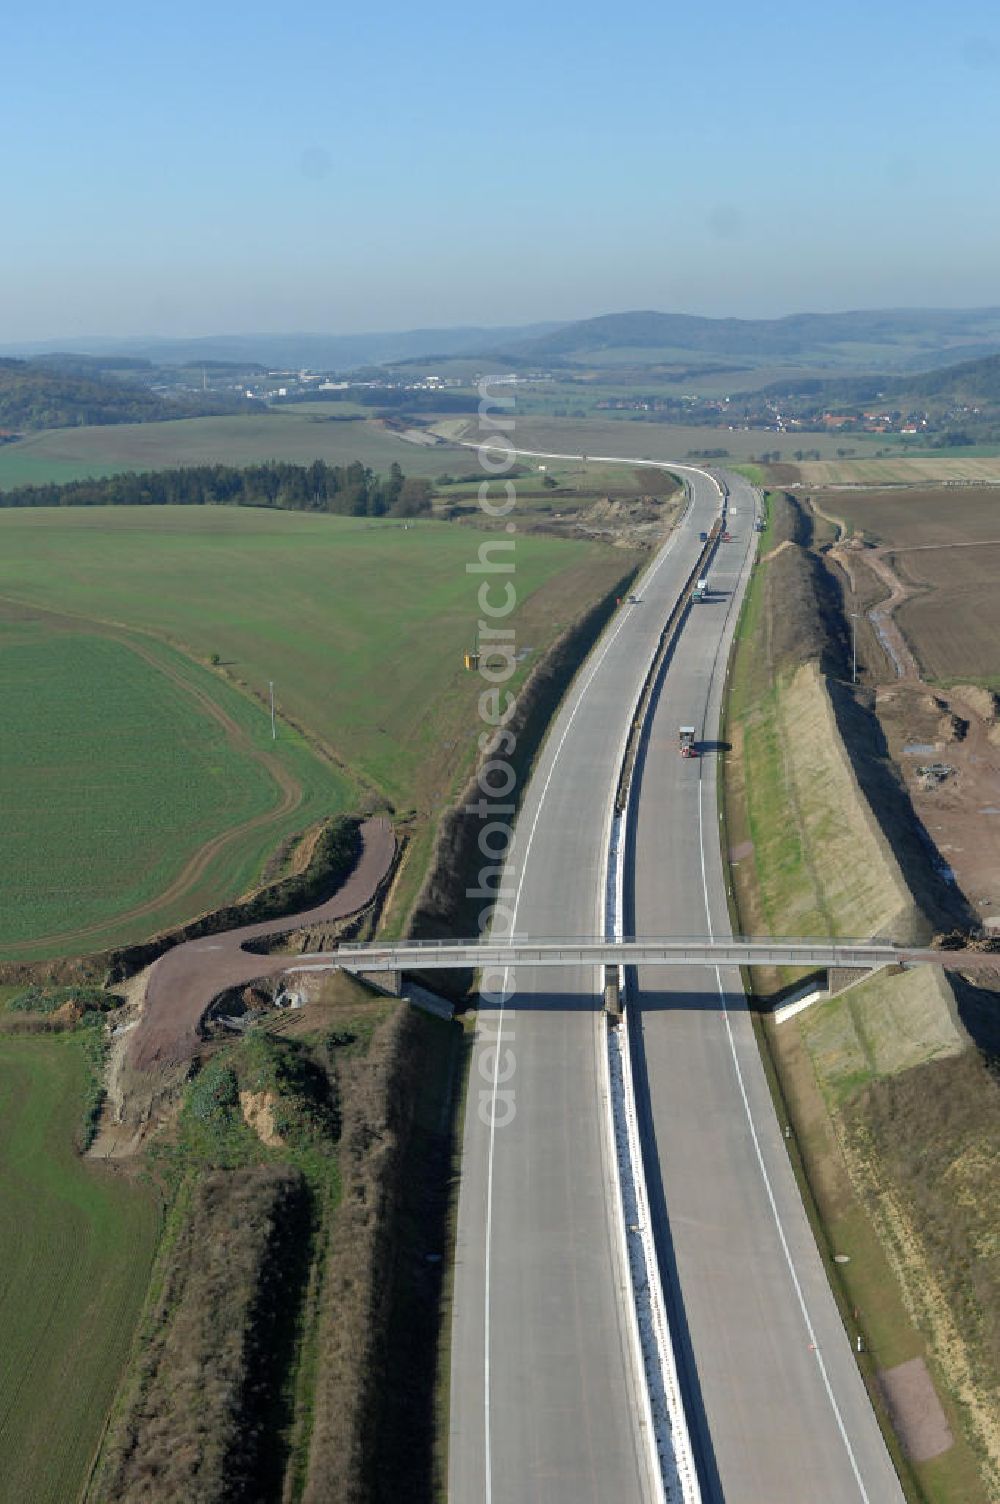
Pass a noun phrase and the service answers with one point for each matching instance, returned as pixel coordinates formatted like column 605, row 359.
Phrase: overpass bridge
column 438, row 955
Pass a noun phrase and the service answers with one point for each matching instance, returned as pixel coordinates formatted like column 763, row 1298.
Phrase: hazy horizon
column 240, row 170
column 193, row 335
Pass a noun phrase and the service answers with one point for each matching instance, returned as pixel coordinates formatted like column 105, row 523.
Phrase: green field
column 292, row 433
column 121, row 776
column 76, row 1245
column 334, row 432
column 604, row 434
column 127, row 806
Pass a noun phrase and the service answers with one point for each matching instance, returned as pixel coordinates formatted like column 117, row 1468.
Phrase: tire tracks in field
column 290, row 789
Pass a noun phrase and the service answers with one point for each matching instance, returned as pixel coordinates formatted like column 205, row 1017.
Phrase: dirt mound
column 68, row 1014
column 951, row 728
column 802, row 608
column 258, row 1113
column 616, row 509
column 983, row 702
column 789, row 523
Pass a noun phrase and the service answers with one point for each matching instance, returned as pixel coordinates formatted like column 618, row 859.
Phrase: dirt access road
column 182, row 983
column 924, row 724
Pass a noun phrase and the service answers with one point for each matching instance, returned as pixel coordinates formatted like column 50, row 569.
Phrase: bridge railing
column 515, row 950
column 880, row 942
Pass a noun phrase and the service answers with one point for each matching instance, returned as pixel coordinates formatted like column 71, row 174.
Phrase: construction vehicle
column 685, row 742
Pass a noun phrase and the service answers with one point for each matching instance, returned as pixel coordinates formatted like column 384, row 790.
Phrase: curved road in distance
column 544, row 1402
column 544, row 1396
column 776, row 1405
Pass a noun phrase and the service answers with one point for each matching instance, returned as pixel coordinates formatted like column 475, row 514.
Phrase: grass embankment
column 286, row 1349
column 868, row 1078
column 76, row 1246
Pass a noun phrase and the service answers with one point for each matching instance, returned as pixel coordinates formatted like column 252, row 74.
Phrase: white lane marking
column 496, row 1043
column 800, row 1297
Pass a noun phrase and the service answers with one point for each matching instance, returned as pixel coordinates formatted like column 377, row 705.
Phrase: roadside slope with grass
column 76, row 1245
column 867, row 1079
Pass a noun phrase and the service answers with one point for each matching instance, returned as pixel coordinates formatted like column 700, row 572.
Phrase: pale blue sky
column 232, row 167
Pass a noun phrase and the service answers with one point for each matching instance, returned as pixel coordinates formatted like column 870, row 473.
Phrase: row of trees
column 347, row 490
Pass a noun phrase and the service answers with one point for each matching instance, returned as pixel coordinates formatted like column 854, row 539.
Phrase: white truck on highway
column 686, row 743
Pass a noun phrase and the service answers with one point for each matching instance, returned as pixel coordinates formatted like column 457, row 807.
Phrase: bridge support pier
column 612, row 994
column 385, row 981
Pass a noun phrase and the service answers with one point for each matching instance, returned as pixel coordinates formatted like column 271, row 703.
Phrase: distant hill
column 976, row 382
column 314, row 352
column 969, row 381
column 877, row 339
column 36, row 394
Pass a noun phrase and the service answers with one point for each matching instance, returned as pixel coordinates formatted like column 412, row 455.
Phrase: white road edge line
column 800, row 1297
column 646, row 577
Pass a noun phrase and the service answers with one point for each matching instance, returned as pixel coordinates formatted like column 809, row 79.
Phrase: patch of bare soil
column 915, row 1410
column 959, row 802
column 257, row 1108
column 627, row 522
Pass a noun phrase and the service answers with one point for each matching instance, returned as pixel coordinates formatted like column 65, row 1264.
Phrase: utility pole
column 854, row 647
column 270, row 685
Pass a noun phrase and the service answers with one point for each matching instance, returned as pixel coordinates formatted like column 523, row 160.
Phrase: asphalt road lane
column 776, row 1405
column 544, row 1402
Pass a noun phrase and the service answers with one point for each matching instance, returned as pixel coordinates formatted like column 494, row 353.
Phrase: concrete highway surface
column 776, row 1406
column 545, row 1392
column 544, row 1399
